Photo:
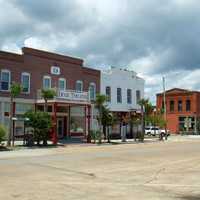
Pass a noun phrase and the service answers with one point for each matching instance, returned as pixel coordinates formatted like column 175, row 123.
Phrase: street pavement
column 152, row 170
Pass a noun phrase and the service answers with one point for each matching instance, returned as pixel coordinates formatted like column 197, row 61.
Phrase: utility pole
column 165, row 109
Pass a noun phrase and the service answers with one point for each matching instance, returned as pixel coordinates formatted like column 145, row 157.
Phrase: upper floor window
column 25, row 81
column 129, row 96
column 138, row 96
column 119, row 95
column 62, row 84
column 180, row 105
column 46, row 82
column 5, row 80
column 171, row 104
column 188, row 105
column 92, row 91
column 79, row 86
column 108, row 93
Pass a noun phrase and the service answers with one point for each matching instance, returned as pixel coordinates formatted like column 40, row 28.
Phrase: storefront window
column 186, row 123
column 21, row 108
column 6, row 107
column 77, row 119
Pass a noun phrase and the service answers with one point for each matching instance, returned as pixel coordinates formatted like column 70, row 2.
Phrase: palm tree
column 47, row 94
column 134, row 120
column 99, row 104
column 146, row 112
column 15, row 90
column 143, row 103
column 107, row 121
column 110, row 122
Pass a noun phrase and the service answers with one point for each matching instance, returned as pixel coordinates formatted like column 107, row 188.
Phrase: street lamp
column 13, row 131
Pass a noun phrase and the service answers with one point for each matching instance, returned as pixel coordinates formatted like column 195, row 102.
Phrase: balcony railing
column 69, row 95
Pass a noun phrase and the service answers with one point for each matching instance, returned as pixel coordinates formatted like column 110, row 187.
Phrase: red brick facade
column 38, row 64
column 181, row 97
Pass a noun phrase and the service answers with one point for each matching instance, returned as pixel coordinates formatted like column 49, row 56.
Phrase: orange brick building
column 182, row 110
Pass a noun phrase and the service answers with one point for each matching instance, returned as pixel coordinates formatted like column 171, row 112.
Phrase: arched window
column 46, row 82
column 92, row 91
column 25, row 82
column 62, row 84
column 79, row 86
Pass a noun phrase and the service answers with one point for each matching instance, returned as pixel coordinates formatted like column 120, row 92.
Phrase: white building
column 123, row 89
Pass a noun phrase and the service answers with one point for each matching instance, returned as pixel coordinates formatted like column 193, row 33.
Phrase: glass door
column 60, row 127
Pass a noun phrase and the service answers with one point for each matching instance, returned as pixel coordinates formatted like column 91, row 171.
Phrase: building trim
column 18, row 100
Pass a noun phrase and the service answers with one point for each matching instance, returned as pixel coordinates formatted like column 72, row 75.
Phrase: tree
column 15, row 90
column 107, row 121
column 41, row 124
column 134, row 120
column 2, row 133
column 99, row 104
column 146, row 110
column 47, row 94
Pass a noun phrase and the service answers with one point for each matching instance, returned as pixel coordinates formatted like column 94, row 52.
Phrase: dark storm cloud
column 142, row 29
column 152, row 37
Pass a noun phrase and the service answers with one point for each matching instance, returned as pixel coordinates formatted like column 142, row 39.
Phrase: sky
column 155, row 38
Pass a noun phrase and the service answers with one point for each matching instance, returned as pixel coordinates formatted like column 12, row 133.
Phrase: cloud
column 155, row 38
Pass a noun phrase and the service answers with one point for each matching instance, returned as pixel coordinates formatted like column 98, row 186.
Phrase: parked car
column 153, row 131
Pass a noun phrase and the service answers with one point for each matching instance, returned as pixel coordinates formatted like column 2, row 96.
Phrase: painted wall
column 120, row 78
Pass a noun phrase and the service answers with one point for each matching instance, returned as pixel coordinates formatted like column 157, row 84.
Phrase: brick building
column 182, row 110
column 75, row 84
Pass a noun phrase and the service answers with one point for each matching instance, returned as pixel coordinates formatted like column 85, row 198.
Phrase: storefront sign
column 73, row 95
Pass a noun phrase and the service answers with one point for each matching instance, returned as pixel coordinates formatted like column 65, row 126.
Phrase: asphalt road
column 165, row 170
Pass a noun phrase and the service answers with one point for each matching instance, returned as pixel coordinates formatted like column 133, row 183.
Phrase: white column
column 2, row 112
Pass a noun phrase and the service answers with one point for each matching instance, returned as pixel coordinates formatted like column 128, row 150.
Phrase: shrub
column 93, row 135
column 2, row 133
column 41, row 124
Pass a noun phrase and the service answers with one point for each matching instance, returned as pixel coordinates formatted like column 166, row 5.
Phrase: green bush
column 95, row 135
column 41, row 124
column 2, row 133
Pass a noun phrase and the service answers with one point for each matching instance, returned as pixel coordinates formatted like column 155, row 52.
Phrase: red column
column 89, row 117
column 54, row 134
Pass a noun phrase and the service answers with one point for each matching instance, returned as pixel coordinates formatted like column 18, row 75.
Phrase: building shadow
column 192, row 197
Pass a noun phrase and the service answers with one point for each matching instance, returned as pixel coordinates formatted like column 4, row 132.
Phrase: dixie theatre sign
column 73, row 95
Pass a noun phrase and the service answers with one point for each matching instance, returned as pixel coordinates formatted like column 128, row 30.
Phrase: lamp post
column 26, row 119
column 13, row 130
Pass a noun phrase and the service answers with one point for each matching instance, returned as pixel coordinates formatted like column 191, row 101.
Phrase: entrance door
column 60, row 127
